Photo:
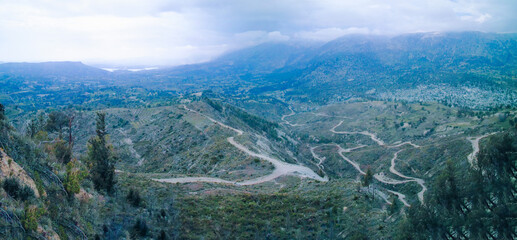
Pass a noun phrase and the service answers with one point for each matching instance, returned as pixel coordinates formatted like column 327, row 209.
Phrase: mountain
column 412, row 67
column 359, row 65
column 46, row 77
column 356, row 66
column 268, row 57
column 246, row 67
column 423, row 51
column 70, row 70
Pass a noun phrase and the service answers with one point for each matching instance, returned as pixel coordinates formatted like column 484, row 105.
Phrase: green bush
column 17, row 191
column 73, row 177
column 39, row 183
column 62, row 151
column 141, row 228
column 162, row 236
column 62, row 233
column 134, row 198
column 31, row 217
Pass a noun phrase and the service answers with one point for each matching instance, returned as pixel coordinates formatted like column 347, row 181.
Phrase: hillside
column 214, row 161
column 363, row 137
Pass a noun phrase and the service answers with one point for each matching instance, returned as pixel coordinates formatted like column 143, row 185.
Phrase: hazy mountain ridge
column 359, row 63
column 69, row 70
column 369, row 66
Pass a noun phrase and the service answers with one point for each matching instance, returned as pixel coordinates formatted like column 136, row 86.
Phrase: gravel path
column 281, row 168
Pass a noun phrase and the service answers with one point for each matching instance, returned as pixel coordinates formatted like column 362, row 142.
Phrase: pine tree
column 368, row 178
column 56, row 121
column 2, row 112
column 73, row 178
column 101, row 157
column 447, row 189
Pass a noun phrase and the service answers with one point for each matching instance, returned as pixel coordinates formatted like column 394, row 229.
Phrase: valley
column 389, row 178
column 361, row 137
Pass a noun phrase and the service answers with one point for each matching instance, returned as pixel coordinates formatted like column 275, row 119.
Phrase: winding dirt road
column 472, row 157
column 326, row 115
column 288, row 115
column 410, row 179
column 366, row 133
column 320, row 159
column 401, row 197
column 380, row 176
column 281, row 168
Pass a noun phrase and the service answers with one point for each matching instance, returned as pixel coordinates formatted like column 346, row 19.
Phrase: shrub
column 15, row 190
column 25, row 193
column 162, row 236
column 31, row 217
column 62, row 233
column 62, row 151
column 73, row 178
column 141, row 227
column 39, row 184
column 134, row 198
column 11, row 186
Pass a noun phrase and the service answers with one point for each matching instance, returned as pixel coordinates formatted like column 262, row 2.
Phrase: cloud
column 178, row 32
column 327, row 34
column 251, row 38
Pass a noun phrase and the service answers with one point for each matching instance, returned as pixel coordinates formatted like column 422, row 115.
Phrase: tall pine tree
column 101, row 157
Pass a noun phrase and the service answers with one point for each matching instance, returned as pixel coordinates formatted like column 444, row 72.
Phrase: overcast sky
column 175, row 32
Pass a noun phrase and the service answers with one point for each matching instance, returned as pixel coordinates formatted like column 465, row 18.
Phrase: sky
column 175, row 32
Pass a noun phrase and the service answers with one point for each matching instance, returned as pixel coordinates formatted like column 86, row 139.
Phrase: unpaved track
column 193, row 179
column 281, row 168
column 288, row 115
column 472, row 157
column 320, row 159
column 326, row 115
column 420, row 182
column 404, row 143
column 401, row 197
column 381, row 177
column 354, row 164
column 366, row 133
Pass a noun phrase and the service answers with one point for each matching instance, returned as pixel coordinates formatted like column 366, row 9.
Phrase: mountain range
column 369, row 66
